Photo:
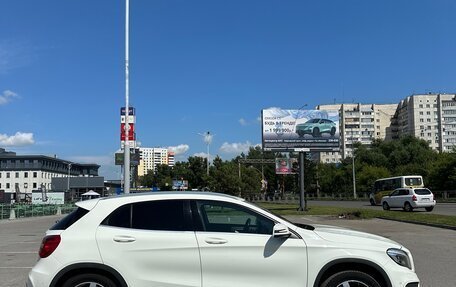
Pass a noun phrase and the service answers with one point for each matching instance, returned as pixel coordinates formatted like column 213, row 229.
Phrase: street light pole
column 127, row 124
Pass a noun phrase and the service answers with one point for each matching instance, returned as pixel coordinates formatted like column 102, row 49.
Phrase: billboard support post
column 302, row 194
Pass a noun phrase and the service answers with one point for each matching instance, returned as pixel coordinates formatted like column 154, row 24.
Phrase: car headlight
column 400, row 257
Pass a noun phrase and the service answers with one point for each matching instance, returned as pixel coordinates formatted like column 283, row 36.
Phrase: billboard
column 308, row 130
column 285, row 165
column 134, row 158
column 180, row 184
column 39, row 197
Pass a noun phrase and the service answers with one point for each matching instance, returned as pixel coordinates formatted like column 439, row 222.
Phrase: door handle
column 124, row 239
column 213, row 240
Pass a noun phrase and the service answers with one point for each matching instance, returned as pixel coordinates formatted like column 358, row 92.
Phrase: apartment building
column 151, row 157
column 431, row 117
column 359, row 123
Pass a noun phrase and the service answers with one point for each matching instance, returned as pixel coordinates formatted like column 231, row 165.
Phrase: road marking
column 16, row 267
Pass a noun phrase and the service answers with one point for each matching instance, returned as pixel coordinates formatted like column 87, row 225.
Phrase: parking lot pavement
column 19, row 243
column 432, row 248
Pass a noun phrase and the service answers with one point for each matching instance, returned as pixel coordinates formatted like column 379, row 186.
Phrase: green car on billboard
column 316, row 127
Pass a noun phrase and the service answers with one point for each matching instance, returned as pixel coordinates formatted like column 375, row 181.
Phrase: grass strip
column 360, row 213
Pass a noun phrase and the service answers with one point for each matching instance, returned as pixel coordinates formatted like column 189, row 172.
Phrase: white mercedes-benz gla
column 205, row 239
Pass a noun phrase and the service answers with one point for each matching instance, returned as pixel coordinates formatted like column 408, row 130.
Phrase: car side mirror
column 280, row 230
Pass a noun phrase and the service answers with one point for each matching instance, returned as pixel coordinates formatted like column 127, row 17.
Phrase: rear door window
column 422, row 191
column 71, row 218
column 152, row 215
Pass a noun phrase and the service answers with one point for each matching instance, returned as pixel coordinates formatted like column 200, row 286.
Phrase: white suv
column 409, row 199
column 206, row 239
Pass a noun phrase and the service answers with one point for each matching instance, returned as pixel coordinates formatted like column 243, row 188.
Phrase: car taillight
column 414, row 197
column 48, row 245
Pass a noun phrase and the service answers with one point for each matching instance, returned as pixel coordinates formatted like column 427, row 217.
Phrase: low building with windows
column 21, row 174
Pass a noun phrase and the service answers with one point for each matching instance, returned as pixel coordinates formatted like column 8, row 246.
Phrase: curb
column 420, row 223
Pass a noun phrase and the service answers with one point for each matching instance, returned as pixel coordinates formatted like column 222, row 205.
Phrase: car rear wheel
column 385, row 206
column 350, row 278
column 408, row 207
column 89, row 280
column 430, row 208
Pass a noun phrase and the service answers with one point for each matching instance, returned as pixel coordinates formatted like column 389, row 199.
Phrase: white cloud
column 243, row 122
column 180, row 149
column 7, row 96
column 236, row 148
column 19, row 139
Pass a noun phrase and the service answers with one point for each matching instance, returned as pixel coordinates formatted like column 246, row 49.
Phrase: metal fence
column 13, row 211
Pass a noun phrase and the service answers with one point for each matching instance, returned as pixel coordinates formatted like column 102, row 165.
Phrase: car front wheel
column 350, row 278
column 89, row 280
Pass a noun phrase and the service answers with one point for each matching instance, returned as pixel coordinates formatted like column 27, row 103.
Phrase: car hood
column 348, row 236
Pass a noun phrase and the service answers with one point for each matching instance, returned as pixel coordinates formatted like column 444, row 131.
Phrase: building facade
column 431, row 117
column 20, row 174
column 359, row 123
column 151, row 157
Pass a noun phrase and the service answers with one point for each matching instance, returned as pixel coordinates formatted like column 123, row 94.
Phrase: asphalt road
column 432, row 248
column 440, row 208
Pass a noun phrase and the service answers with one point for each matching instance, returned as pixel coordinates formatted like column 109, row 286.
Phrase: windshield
column 313, row 121
column 413, row 181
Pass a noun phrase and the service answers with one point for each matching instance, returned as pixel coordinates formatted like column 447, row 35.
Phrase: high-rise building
column 431, row 117
column 151, row 157
column 359, row 123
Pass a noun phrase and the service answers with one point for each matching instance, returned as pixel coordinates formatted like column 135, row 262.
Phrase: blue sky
column 198, row 66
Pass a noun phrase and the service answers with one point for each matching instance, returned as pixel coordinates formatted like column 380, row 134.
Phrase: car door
column 151, row 244
column 403, row 197
column 237, row 248
column 393, row 199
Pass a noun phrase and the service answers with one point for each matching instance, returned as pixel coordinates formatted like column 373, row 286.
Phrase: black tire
column 85, row 280
column 352, row 278
column 316, row 132
column 372, row 202
column 408, row 207
column 300, row 133
column 385, row 206
column 333, row 131
column 430, row 208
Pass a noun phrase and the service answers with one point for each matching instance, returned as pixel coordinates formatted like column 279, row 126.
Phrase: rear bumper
column 418, row 204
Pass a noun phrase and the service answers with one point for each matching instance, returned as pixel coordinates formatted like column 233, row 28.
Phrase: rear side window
column 422, row 191
column 152, row 215
column 71, row 218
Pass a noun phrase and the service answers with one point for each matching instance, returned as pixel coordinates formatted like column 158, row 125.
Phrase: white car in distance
column 409, row 199
column 207, row 239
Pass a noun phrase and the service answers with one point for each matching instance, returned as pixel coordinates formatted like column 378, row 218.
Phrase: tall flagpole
column 127, row 108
